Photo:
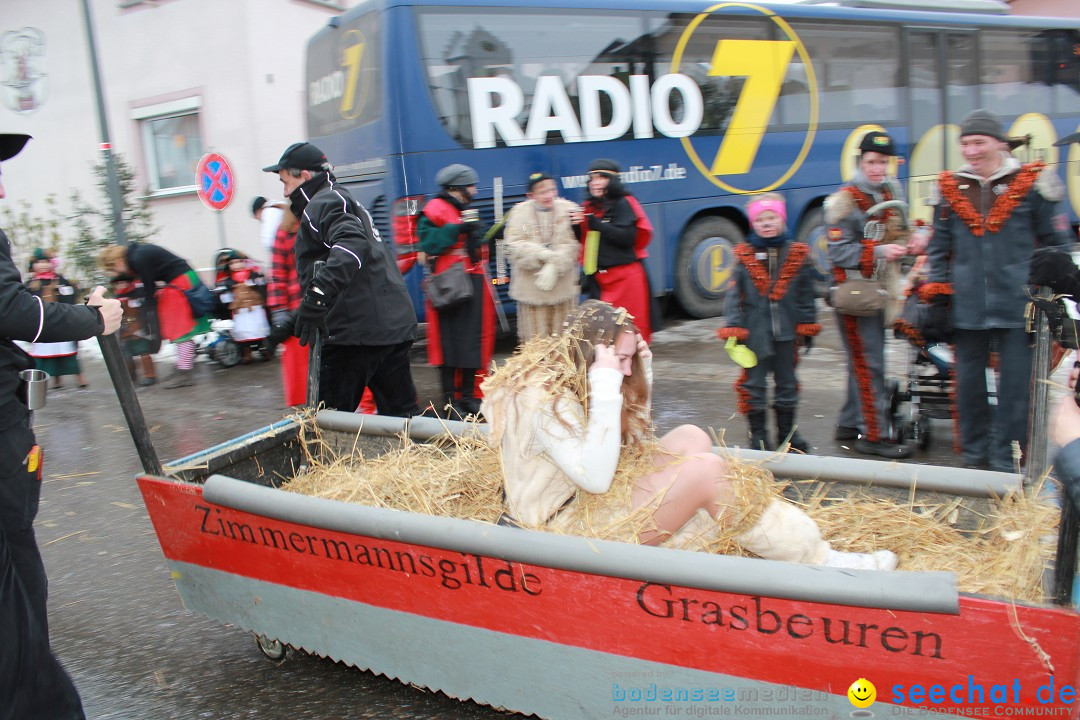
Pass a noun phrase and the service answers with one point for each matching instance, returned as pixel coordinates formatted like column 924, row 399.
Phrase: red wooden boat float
column 565, row 627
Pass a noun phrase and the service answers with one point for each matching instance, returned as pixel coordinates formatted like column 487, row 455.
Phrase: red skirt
column 627, row 286
column 174, row 313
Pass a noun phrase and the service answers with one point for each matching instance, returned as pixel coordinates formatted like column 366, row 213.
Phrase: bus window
column 719, row 92
column 961, row 75
column 1065, row 69
column 1011, row 79
column 857, row 69
column 538, row 56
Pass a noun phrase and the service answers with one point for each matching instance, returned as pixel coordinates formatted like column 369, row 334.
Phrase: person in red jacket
column 625, row 233
column 283, row 296
column 460, row 338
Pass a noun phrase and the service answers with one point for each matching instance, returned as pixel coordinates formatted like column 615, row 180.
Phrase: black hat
column 983, row 122
column 11, row 144
column 299, row 156
column 877, row 141
column 537, row 177
column 604, row 165
column 1075, row 137
column 456, row 175
column 257, row 204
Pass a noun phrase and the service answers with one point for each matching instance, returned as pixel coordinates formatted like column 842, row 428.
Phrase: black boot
column 448, row 408
column 759, row 435
column 785, row 426
column 468, row 402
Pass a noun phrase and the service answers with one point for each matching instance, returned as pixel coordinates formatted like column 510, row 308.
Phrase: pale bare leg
column 696, row 478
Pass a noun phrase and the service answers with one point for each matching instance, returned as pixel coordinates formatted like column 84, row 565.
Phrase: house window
column 172, row 144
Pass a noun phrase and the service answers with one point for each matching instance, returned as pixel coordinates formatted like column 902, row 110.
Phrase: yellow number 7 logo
column 351, row 59
column 763, row 63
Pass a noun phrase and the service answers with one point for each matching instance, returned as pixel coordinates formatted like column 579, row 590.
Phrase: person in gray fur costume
column 543, row 251
column 864, row 417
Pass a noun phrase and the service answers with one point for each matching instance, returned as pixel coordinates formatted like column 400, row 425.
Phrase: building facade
column 181, row 78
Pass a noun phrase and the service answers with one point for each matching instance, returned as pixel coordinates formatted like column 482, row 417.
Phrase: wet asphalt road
column 116, row 619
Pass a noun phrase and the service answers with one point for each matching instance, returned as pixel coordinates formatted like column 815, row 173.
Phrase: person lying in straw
column 570, row 415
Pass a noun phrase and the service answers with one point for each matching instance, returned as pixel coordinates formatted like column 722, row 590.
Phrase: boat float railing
column 931, row 478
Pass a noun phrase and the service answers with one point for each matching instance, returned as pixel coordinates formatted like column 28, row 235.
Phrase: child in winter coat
column 771, row 308
column 243, row 291
column 55, row 358
column 140, row 339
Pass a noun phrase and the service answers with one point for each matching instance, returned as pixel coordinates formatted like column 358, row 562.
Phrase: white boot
column 877, row 560
column 785, row 533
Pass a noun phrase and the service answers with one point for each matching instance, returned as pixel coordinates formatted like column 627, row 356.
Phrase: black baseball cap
column 299, row 156
column 537, row 177
column 11, row 144
column 257, row 204
column 877, row 141
column 605, row 166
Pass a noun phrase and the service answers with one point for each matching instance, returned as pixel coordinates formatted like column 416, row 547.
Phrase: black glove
column 594, row 222
column 282, row 323
column 937, row 325
column 473, row 239
column 1054, row 268
column 311, row 315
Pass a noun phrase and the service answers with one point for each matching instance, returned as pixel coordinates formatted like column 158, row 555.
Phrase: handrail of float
column 932, row 478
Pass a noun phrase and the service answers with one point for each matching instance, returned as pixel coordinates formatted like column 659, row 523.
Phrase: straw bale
column 1004, row 552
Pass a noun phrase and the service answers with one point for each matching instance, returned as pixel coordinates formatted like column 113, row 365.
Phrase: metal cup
column 32, row 388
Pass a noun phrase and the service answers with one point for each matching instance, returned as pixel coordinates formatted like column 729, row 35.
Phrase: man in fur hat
column 991, row 215
column 32, row 682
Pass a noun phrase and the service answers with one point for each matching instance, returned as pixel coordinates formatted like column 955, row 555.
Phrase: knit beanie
column 983, row 122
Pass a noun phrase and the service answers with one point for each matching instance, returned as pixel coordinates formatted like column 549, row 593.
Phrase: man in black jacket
column 358, row 302
column 32, row 682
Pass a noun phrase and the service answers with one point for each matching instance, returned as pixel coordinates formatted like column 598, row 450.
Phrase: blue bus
column 701, row 103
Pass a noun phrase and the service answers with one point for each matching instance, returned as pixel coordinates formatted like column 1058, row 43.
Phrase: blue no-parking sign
column 215, row 181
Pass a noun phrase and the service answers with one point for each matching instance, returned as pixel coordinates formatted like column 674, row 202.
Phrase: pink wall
column 1046, row 8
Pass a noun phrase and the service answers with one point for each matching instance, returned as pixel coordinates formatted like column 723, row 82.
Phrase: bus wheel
column 704, row 265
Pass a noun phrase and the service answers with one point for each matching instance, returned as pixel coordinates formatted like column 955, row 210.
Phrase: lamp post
column 103, row 121
column 110, row 344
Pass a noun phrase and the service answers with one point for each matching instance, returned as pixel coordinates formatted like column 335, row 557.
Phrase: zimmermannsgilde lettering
column 451, row 574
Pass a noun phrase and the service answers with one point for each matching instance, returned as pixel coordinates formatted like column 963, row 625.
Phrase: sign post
column 215, row 187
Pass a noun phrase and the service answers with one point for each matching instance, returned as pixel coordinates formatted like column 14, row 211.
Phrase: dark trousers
column 32, row 682
column 347, row 369
column 987, row 432
column 866, row 406
column 781, row 364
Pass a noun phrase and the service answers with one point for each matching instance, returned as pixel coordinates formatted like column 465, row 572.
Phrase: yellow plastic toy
column 743, row 356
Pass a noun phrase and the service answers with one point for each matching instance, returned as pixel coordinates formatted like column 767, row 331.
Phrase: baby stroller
column 242, row 325
column 925, row 392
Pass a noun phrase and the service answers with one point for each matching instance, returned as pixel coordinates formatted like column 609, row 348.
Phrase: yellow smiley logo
column 862, row 693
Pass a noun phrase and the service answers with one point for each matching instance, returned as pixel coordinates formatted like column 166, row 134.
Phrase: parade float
column 563, row 626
